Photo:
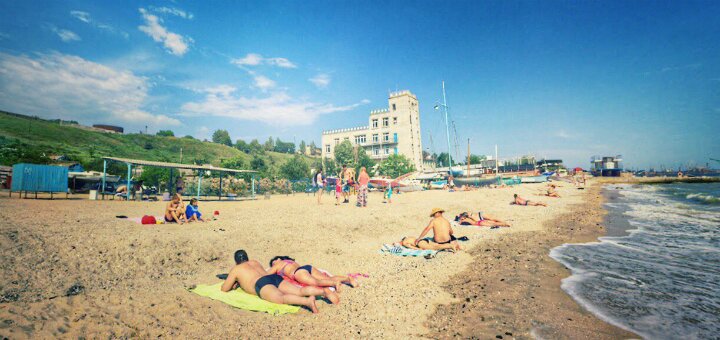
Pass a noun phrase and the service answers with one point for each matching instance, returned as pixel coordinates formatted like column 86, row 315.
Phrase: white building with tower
column 395, row 130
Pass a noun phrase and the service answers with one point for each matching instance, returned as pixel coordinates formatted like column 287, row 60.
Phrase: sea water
column 661, row 279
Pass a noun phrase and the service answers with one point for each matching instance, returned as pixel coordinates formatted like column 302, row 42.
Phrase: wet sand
column 512, row 289
column 71, row 269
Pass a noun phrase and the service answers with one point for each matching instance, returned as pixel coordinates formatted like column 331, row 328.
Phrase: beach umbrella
column 578, row 169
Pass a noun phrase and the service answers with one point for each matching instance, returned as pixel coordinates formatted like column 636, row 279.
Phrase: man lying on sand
column 175, row 211
column 480, row 219
column 253, row 279
column 307, row 274
column 442, row 232
column 521, row 201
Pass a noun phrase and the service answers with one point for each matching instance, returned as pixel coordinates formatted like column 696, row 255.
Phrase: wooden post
column 129, row 173
column 220, row 193
column 103, row 178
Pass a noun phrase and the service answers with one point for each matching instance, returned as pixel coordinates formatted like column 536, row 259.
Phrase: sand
column 70, row 268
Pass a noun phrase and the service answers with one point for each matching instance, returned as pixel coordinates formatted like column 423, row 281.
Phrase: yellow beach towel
column 240, row 299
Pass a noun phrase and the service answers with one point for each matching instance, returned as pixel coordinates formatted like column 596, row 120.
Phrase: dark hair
column 280, row 258
column 193, row 200
column 241, row 256
column 515, row 196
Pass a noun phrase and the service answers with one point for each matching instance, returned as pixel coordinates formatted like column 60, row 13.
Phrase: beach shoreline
column 513, row 289
column 130, row 280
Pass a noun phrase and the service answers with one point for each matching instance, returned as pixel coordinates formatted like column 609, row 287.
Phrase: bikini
column 272, row 279
column 287, row 262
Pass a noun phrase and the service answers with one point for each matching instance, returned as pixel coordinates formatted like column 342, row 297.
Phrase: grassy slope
column 83, row 145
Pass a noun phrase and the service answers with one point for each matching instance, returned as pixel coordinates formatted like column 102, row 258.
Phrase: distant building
column 607, row 166
column 109, row 128
column 545, row 165
column 395, row 130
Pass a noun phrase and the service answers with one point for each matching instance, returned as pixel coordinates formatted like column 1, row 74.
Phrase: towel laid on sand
column 239, row 299
column 402, row 251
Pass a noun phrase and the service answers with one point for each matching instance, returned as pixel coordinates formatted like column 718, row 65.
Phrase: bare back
column 246, row 275
column 441, row 229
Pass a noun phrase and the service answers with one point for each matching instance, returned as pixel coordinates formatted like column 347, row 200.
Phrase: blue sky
column 558, row 79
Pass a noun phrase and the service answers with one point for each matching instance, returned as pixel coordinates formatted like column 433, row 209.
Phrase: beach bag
column 148, row 220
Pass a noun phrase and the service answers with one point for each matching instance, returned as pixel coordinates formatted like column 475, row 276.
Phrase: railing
column 359, row 128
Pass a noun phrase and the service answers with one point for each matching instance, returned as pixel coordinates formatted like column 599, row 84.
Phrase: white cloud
column 321, row 80
column 71, row 87
column 276, row 109
column 87, row 18
column 254, row 59
column 4, row 36
column 562, row 134
column 264, row 83
column 65, row 35
column 173, row 11
column 173, row 42
column 82, row 16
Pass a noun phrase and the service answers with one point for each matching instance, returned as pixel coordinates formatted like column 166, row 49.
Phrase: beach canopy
column 130, row 162
column 578, row 169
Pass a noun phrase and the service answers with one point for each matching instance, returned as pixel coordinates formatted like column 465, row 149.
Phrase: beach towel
column 239, row 299
column 402, row 251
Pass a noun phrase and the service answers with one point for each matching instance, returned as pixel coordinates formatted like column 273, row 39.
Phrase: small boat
column 476, row 181
column 515, row 180
column 438, row 184
column 534, row 179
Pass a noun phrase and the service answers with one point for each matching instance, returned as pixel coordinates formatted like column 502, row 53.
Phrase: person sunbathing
column 480, row 219
column 550, row 191
column 521, row 201
column 252, row 278
column 424, row 244
column 442, row 231
column 175, row 211
column 307, row 274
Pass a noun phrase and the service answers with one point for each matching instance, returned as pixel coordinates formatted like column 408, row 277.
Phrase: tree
column 475, row 159
column 302, row 147
column 284, row 147
column 313, row 147
column 344, row 154
column 242, row 146
column 258, row 164
column 295, row 168
column 222, row 137
column 396, row 165
column 269, row 145
column 363, row 160
column 189, row 137
column 165, row 133
column 233, row 163
column 154, row 176
column 442, row 159
column 255, row 147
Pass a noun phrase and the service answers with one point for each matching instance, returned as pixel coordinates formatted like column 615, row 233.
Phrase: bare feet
column 354, row 283
column 332, row 296
column 311, row 304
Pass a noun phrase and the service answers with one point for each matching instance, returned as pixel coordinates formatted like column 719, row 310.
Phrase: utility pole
column 496, row 160
column 181, row 155
column 468, row 159
column 447, row 127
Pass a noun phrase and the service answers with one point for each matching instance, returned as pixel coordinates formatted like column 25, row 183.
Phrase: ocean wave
column 707, row 199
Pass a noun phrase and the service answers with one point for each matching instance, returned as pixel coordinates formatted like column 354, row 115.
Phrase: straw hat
column 436, row 210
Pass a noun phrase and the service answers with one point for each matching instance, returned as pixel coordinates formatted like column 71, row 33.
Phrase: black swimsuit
column 272, row 279
column 306, row 267
column 452, row 238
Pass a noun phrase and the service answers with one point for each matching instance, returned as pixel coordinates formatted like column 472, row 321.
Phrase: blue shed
column 39, row 178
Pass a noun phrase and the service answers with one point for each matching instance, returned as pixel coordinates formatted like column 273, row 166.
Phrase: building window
column 394, row 120
column 374, row 123
column 337, row 141
column 386, row 121
column 361, row 139
column 386, row 137
column 393, row 107
column 387, row 150
column 395, row 137
column 376, row 151
column 375, row 138
column 327, row 147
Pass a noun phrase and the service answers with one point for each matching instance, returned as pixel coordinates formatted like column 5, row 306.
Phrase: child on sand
column 175, row 211
column 338, row 191
column 388, row 193
column 192, row 212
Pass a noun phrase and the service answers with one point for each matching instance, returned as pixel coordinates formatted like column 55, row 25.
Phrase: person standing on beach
column 363, row 180
column 442, row 231
column 319, row 181
column 345, row 175
column 251, row 277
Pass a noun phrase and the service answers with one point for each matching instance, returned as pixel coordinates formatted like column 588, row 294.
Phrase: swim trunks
column 272, row 279
column 452, row 238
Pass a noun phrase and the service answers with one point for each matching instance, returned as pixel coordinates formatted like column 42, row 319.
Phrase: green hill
column 30, row 139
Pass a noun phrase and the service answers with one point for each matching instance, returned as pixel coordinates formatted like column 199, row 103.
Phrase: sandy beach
column 130, row 280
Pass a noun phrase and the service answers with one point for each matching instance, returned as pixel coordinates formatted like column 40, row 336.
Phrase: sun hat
column 436, row 210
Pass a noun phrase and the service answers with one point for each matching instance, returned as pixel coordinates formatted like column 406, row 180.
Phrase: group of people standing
column 344, row 182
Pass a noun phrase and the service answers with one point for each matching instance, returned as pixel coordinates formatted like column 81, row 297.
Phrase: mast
column 447, row 128
column 496, row 161
column 468, row 159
